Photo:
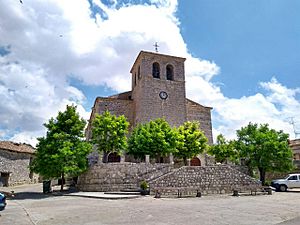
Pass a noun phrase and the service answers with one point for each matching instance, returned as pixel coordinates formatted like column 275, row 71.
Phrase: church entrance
column 195, row 162
column 113, row 157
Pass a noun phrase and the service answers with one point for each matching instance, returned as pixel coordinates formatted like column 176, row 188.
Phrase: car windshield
column 287, row 176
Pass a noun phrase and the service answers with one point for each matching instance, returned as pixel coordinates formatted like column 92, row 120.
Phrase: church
column 158, row 91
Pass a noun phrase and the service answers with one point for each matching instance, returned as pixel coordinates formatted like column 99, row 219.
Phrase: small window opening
column 134, row 78
column 170, row 72
column 155, row 70
column 139, row 72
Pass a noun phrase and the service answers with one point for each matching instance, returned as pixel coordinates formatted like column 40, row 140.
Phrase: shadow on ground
column 30, row 195
column 36, row 195
column 293, row 191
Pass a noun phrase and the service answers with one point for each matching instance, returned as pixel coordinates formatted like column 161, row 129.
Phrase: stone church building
column 158, row 91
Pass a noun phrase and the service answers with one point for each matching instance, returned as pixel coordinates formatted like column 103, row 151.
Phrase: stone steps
column 130, row 190
column 207, row 180
column 122, row 193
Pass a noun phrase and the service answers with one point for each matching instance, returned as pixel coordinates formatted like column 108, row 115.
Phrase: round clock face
column 163, row 95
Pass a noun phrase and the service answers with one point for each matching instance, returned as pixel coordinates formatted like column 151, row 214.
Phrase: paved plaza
column 30, row 207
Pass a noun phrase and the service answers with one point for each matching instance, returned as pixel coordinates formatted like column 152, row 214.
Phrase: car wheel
column 282, row 188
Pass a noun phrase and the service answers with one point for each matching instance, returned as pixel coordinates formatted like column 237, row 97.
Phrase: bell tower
column 158, row 88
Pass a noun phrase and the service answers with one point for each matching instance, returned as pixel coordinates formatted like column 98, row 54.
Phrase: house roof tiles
column 17, row 147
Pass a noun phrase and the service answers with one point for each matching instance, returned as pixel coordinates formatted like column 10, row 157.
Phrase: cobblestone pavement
column 34, row 208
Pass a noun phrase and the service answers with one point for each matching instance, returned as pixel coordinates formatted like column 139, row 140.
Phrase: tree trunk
column 105, row 157
column 62, row 181
column 185, row 161
column 262, row 175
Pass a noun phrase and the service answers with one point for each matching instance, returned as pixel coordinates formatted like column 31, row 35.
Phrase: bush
column 144, row 185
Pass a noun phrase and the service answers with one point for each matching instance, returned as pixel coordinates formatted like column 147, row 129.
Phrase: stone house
column 158, row 91
column 15, row 159
column 295, row 146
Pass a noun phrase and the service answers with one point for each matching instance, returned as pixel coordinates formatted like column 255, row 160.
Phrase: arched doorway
column 113, row 157
column 195, row 162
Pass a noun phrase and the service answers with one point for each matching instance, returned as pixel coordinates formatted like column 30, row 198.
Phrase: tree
column 155, row 138
column 109, row 133
column 63, row 151
column 264, row 148
column 190, row 141
column 224, row 150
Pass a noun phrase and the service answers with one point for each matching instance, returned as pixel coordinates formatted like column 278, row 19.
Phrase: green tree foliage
column 109, row 133
column 224, row 150
column 155, row 138
column 63, row 151
column 264, row 148
column 190, row 141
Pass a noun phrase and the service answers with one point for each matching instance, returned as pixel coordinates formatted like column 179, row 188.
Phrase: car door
column 298, row 183
column 293, row 181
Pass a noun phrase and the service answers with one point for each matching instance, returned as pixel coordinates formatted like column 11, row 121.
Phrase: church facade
column 158, row 91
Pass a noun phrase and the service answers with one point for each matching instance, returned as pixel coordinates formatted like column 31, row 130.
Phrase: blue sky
column 251, row 41
column 243, row 57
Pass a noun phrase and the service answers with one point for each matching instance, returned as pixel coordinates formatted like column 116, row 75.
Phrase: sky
column 243, row 58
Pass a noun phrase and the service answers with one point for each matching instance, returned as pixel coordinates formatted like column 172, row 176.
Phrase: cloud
column 45, row 43
column 276, row 107
column 28, row 99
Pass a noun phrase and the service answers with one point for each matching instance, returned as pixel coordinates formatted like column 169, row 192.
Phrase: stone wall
column 16, row 164
column 165, row 179
column 241, row 168
column 120, row 176
column 197, row 112
column 149, row 105
column 115, row 106
column 210, row 179
column 146, row 89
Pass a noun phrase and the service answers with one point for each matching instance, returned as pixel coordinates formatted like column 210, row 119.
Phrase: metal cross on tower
column 156, row 46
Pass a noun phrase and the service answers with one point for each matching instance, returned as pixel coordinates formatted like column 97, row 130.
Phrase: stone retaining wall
column 207, row 180
column 120, row 176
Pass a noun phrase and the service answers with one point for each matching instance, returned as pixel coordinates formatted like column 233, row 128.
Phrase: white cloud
column 51, row 41
column 28, row 99
column 275, row 108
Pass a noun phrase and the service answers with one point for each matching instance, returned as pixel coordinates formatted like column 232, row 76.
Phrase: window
column 139, row 72
column 134, row 79
column 293, row 177
column 170, row 72
column 155, row 70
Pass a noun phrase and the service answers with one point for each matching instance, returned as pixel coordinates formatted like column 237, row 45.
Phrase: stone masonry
column 120, row 176
column 295, row 146
column 218, row 179
column 14, row 164
column 165, row 178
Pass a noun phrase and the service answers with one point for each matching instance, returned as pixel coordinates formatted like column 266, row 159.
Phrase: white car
column 291, row 181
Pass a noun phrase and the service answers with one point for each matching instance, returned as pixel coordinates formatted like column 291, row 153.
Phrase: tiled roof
column 17, row 147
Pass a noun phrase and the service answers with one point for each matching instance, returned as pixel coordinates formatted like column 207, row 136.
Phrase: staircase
column 217, row 179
